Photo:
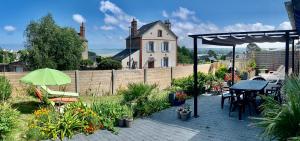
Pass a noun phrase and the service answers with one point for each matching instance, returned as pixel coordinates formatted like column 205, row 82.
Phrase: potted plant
column 128, row 122
column 179, row 98
column 121, row 122
column 178, row 112
column 128, row 119
column 186, row 113
column 172, row 95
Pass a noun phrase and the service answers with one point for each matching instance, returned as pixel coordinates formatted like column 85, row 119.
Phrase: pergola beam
column 293, row 32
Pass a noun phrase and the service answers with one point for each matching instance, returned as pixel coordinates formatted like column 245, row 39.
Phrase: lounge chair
column 62, row 100
column 58, row 93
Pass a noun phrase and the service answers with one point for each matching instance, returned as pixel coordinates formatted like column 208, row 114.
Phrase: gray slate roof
column 148, row 26
column 123, row 54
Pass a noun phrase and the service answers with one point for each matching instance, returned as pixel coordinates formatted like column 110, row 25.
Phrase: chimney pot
column 82, row 30
column 168, row 24
column 133, row 27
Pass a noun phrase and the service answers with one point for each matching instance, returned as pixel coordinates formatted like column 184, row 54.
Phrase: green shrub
column 220, row 73
column 144, row 99
column 137, row 92
column 110, row 112
column 8, row 120
column 109, row 64
column 187, row 83
column 5, row 88
column 282, row 121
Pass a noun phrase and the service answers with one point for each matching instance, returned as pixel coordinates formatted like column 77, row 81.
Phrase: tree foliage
column 184, row 55
column 212, row 53
column 109, row 64
column 52, row 46
column 7, row 56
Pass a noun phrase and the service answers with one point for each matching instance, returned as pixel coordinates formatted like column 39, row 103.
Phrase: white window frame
column 163, row 63
column 159, row 33
column 165, row 48
column 149, row 47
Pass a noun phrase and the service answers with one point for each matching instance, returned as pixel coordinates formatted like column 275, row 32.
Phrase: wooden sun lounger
column 39, row 95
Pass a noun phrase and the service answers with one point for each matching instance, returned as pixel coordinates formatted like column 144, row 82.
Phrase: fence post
column 171, row 75
column 145, row 76
column 76, row 81
column 113, row 73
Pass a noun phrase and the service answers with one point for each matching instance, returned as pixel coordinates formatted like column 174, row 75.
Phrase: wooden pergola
column 232, row 39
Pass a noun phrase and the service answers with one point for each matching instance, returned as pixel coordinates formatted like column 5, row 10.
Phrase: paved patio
column 214, row 124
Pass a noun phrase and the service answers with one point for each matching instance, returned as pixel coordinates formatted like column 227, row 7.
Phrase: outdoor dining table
column 248, row 86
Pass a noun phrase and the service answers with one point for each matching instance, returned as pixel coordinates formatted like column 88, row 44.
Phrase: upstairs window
column 159, row 33
column 150, row 47
column 165, row 47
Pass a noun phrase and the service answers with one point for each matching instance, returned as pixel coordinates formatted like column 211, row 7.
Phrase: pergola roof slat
column 237, row 38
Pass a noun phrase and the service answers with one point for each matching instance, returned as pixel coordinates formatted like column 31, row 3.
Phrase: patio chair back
column 259, row 78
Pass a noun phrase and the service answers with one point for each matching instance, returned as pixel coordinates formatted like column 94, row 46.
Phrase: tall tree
column 52, row 46
column 184, row 55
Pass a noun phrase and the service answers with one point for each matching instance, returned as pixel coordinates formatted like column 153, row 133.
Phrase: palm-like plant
column 282, row 121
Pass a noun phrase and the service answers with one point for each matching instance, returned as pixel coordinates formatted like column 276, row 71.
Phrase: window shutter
column 170, row 47
column 161, row 62
column 162, row 46
column 153, row 46
column 147, row 46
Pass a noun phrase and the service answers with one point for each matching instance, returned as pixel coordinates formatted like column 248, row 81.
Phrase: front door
column 150, row 64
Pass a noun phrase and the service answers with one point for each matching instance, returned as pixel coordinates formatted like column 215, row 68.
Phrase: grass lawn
column 26, row 105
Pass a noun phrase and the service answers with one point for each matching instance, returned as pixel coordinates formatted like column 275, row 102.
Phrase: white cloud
column 107, row 27
column 9, row 28
column 79, row 18
column 115, row 16
column 285, row 26
column 185, row 22
column 182, row 13
column 240, row 27
column 165, row 14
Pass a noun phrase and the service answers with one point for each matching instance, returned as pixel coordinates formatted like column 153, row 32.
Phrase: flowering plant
column 180, row 96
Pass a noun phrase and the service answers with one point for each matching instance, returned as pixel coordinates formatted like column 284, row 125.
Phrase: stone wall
column 107, row 82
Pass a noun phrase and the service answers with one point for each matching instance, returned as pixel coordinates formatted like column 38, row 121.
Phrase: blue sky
column 107, row 21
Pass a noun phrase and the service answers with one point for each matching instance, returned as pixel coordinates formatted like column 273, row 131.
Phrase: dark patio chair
column 225, row 94
column 275, row 92
column 259, row 78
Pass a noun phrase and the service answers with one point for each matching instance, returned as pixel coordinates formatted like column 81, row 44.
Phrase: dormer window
column 159, row 33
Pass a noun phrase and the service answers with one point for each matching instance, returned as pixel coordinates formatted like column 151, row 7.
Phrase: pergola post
column 293, row 56
column 196, row 89
column 287, row 42
column 233, row 64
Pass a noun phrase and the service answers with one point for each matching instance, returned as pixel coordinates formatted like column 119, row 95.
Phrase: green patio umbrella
column 46, row 76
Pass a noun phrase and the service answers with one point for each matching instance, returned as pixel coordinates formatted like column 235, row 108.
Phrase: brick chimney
column 133, row 28
column 168, row 24
column 82, row 31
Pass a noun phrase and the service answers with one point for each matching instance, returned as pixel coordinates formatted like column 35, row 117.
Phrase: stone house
column 153, row 45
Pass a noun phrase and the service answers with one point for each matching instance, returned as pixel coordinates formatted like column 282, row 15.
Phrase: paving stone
column 214, row 124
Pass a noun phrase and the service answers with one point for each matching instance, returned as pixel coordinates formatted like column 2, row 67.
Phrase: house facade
column 153, row 45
